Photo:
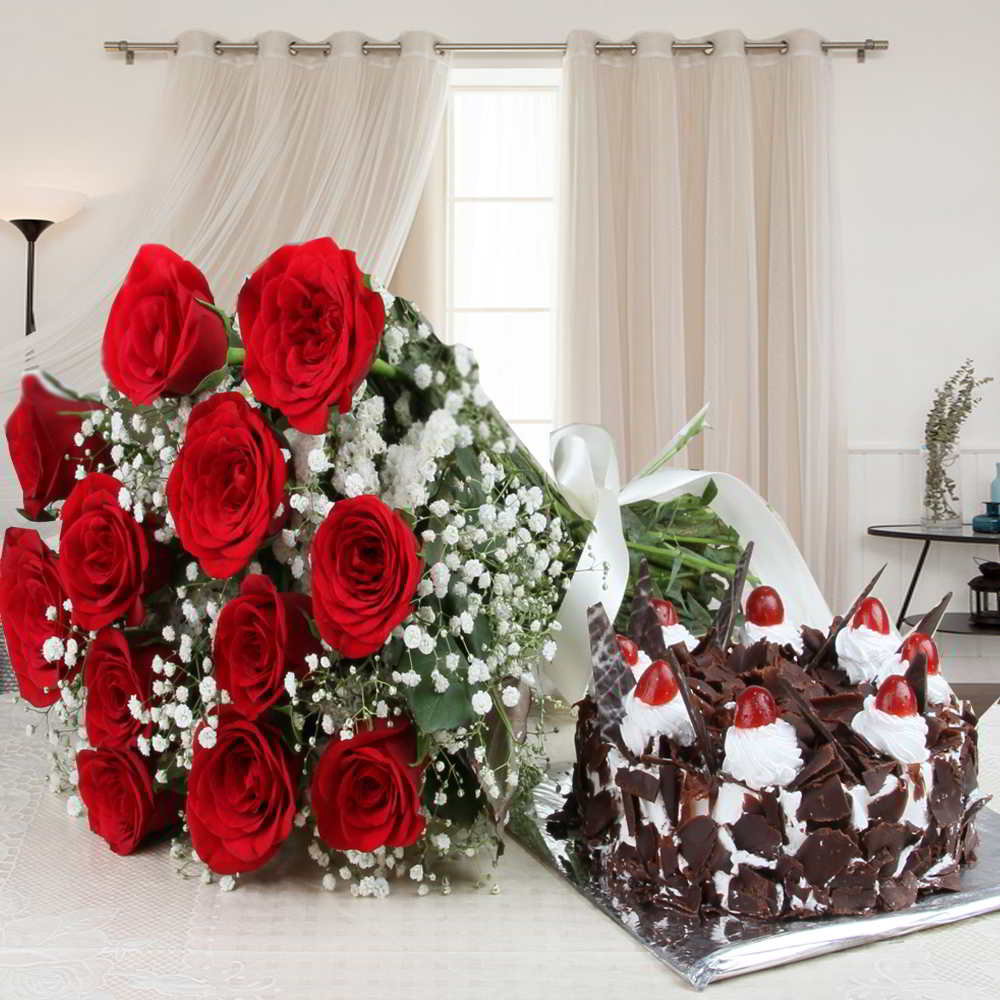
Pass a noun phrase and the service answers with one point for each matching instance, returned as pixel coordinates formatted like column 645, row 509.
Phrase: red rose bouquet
column 306, row 577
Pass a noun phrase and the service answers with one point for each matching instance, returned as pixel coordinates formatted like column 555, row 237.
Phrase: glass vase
column 942, row 466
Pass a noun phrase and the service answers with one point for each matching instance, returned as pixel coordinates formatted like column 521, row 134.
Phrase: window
column 500, row 287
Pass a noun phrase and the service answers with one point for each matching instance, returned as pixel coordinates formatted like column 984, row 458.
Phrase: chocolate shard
column 888, row 808
column 643, row 614
column 916, row 675
column 755, row 835
column 824, row 855
column 670, row 789
column 930, row 622
column 613, row 679
column 818, row 767
column 732, row 600
column 874, row 776
column 753, row 895
column 824, row 651
column 824, row 803
column 639, row 783
column 702, row 738
column 945, row 800
column 697, row 838
column 898, row 893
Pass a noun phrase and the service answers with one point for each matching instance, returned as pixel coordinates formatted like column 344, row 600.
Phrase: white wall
column 918, row 148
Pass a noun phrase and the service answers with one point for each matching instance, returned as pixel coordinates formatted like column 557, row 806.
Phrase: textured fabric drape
column 697, row 263
column 253, row 151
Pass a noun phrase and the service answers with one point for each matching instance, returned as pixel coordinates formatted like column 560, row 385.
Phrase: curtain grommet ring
column 293, row 48
column 784, row 47
column 217, row 47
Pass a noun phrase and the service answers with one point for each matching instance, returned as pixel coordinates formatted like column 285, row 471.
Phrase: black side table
column 957, row 623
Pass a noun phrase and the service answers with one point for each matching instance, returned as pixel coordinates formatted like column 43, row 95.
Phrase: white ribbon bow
column 585, row 465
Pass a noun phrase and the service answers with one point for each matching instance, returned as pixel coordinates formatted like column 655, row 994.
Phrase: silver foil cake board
column 702, row 951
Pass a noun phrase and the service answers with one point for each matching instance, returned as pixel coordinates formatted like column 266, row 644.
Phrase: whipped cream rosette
column 766, row 622
column 761, row 749
column 939, row 691
column 866, row 642
column 891, row 723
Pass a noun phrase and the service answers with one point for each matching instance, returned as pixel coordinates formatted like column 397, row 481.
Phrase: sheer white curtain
column 252, row 151
column 697, row 264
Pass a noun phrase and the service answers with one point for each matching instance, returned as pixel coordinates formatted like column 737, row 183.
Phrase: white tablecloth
column 78, row 922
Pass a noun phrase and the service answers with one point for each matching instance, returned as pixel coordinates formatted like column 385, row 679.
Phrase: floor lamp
column 33, row 210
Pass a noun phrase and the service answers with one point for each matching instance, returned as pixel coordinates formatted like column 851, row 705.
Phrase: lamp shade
column 50, row 204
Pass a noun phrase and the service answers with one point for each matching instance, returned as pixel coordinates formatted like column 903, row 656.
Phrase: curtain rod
column 294, row 48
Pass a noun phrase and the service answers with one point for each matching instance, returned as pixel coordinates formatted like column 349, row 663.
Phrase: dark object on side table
column 984, row 596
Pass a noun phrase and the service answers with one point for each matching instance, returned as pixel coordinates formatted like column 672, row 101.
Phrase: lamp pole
column 30, row 229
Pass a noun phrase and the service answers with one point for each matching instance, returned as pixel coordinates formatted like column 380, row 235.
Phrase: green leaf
column 467, row 462
column 42, row 517
column 211, row 380
column 433, row 710
column 456, row 777
column 711, row 492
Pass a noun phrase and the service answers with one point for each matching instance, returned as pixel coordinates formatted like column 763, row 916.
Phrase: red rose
column 122, row 805
column 113, row 672
column 241, row 795
column 260, row 636
column 30, row 584
column 40, row 434
column 106, row 558
column 159, row 338
column 366, row 790
column 311, row 330
column 365, row 571
column 227, row 484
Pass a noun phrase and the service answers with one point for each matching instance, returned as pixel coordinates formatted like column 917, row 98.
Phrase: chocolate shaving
column 754, row 834
column 697, row 840
column 821, row 729
column 945, row 801
column 823, row 762
column 916, row 676
column 613, row 678
column 643, row 614
column 889, row 807
column 824, row 855
column 752, row 895
column 824, row 650
column 732, row 600
column 930, row 622
column 639, row 783
column 825, row 803
column 702, row 739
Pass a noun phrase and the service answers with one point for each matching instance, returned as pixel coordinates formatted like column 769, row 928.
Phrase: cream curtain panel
column 253, row 151
column 697, row 263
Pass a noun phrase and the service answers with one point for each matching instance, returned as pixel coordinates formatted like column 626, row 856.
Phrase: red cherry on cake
column 657, row 685
column 872, row 614
column 755, row 707
column 629, row 650
column 896, row 697
column 764, row 607
column 665, row 611
column 919, row 642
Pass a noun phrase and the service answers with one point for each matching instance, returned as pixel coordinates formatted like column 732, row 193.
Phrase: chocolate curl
column 916, row 676
column 613, row 678
column 701, row 736
column 824, row 650
column 732, row 602
column 819, row 727
column 930, row 622
column 643, row 613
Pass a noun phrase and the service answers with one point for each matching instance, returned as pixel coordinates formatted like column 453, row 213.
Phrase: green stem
column 235, row 356
column 685, row 557
column 380, row 367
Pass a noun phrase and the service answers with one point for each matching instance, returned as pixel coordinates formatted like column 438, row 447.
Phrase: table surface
column 918, row 532
column 77, row 921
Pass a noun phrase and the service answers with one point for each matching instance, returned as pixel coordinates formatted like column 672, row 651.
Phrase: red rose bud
column 896, row 697
column 260, row 637
column 159, row 339
column 227, row 485
column 665, row 611
column 628, row 649
column 40, row 437
column 108, row 561
column 241, row 795
column 30, row 584
column 365, row 571
column 311, row 330
column 366, row 790
column 122, row 805
column 919, row 642
column 755, row 707
column 657, row 685
column 872, row 614
column 765, row 607
column 114, row 672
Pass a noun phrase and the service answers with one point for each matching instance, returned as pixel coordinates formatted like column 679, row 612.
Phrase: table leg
column 913, row 584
